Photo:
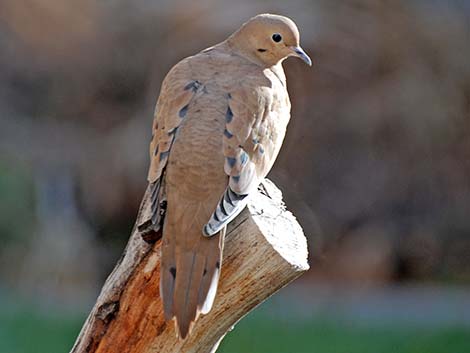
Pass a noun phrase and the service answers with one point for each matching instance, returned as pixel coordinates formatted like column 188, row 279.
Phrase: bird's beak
column 299, row 52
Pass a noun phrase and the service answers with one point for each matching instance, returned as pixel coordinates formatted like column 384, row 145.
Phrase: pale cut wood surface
column 265, row 249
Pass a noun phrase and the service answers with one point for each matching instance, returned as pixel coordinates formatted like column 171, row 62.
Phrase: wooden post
column 265, row 249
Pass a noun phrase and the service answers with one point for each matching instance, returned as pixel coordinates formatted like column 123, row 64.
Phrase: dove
column 219, row 124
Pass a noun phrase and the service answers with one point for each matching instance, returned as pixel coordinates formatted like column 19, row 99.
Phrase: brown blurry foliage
column 376, row 164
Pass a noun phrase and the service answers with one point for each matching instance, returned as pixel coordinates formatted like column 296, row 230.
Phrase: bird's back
column 218, row 113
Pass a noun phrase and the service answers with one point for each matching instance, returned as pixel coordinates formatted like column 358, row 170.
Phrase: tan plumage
column 219, row 124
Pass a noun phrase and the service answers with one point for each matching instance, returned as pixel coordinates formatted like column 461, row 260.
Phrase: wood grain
column 265, row 249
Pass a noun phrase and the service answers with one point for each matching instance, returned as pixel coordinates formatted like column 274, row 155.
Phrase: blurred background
column 376, row 165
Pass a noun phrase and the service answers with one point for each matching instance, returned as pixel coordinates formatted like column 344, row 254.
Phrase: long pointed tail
column 189, row 278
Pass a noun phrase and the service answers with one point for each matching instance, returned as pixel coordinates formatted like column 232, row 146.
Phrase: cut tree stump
column 265, row 249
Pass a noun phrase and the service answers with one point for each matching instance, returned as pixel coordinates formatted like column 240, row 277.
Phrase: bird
column 219, row 124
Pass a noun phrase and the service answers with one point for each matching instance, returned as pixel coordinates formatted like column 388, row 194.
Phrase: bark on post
column 265, row 249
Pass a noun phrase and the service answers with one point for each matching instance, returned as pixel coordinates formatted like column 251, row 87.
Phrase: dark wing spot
column 193, row 85
column 231, row 161
column 261, row 50
column 156, row 150
column 228, row 134
column 183, row 111
column 217, row 264
column 236, row 178
column 228, row 115
column 243, row 157
column 173, row 272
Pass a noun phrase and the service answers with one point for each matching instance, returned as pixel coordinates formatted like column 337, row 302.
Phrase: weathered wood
column 265, row 249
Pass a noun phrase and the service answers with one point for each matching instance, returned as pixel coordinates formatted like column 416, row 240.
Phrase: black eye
column 277, row 37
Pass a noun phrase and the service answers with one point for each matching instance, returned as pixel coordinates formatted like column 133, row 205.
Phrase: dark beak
column 299, row 52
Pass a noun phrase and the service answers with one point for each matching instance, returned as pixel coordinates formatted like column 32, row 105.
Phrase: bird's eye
column 277, row 37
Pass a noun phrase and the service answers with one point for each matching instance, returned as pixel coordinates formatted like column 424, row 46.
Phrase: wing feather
column 177, row 92
column 255, row 127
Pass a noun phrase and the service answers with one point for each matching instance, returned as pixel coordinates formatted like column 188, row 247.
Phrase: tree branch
column 265, row 249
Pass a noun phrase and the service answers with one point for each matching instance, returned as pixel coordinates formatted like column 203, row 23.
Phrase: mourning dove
column 219, row 125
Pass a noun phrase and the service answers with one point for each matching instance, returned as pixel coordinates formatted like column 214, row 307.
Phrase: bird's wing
column 178, row 89
column 256, row 121
column 184, row 168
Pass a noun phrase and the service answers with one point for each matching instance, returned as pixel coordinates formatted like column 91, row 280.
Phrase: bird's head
column 268, row 39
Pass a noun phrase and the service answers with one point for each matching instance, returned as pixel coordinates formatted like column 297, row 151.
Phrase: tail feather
column 189, row 278
column 211, row 278
column 167, row 277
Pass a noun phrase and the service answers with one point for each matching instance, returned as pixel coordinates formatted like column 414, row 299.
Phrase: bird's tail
column 189, row 278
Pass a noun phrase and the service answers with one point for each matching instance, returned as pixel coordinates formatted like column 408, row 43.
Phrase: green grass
column 31, row 332
column 16, row 202
column 262, row 334
column 27, row 331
